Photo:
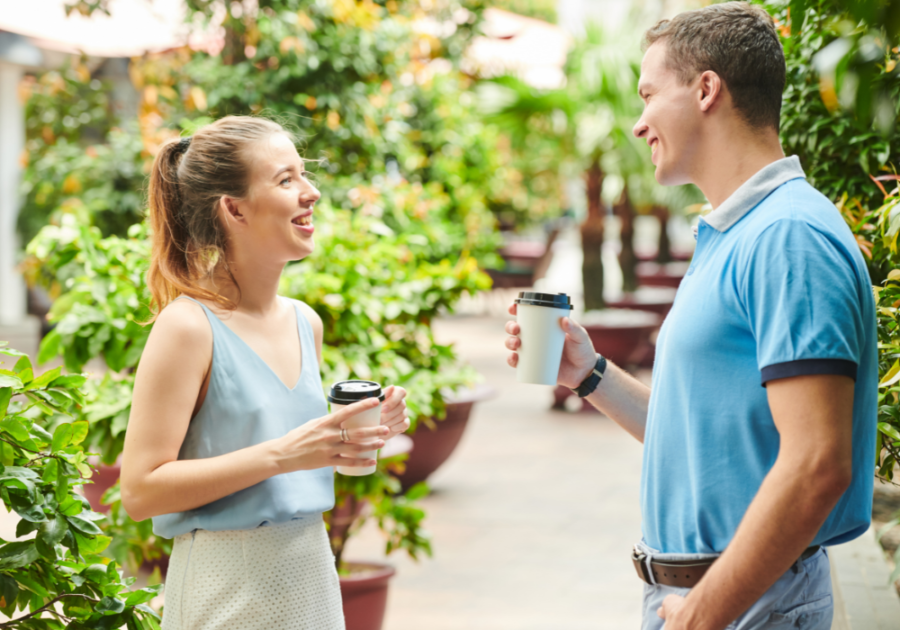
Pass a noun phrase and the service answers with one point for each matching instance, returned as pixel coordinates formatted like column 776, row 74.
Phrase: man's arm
column 619, row 395
column 814, row 417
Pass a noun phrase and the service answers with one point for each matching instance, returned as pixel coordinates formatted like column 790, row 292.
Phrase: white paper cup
column 542, row 337
column 345, row 393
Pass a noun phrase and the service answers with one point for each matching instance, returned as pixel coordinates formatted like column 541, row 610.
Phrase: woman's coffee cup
column 345, row 393
column 542, row 337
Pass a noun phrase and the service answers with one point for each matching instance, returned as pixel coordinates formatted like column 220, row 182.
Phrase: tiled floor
column 532, row 518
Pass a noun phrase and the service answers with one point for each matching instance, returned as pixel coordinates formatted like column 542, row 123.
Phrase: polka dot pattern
column 279, row 577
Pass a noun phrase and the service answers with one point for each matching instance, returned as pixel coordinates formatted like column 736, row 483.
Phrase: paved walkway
column 532, row 517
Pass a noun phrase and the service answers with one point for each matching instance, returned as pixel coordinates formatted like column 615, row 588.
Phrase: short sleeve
column 803, row 303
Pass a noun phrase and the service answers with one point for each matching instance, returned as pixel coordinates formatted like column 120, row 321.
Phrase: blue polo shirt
column 777, row 287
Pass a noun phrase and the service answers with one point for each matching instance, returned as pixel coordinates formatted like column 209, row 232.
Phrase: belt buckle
column 640, row 560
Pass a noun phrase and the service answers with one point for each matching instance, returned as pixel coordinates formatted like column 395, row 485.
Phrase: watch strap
column 589, row 384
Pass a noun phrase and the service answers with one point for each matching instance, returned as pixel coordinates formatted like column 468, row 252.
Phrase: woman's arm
column 168, row 381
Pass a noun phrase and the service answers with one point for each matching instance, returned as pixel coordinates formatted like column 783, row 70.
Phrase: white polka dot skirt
column 280, row 577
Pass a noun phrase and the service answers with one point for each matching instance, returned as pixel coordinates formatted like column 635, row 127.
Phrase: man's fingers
column 512, row 360
column 513, row 343
column 512, row 328
column 512, row 308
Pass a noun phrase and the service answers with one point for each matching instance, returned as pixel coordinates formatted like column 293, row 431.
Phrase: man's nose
column 640, row 128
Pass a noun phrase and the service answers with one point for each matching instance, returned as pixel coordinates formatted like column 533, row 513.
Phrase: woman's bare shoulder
column 182, row 329
column 310, row 314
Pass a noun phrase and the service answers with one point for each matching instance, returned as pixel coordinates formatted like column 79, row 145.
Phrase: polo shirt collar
column 754, row 190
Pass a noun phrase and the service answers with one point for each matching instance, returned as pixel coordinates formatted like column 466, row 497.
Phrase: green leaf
column 110, row 606
column 53, row 531
column 15, row 428
column 888, row 430
column 70, row 381
column 5, row 397
column 84, row 526
column 9, row 590
column 32, row 585
column 45, row 379
column 96, row 573
column 49, row 347
column 79, row 431
column 62, row 492
column 23, row 369
column 17, row 554
column 8, row 379
column 91, row 545
column 140, row 597
column 23, row 528
column 61, row 437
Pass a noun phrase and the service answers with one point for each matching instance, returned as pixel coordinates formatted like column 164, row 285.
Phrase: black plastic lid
column 349, row 392
column 551, row 300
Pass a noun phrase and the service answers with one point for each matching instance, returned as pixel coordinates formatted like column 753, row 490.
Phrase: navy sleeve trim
column 804, row 367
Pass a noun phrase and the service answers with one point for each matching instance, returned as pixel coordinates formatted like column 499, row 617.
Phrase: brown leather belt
column 682, row 573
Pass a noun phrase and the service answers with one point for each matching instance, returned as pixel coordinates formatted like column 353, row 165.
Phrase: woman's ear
column 711, row 88
column 230, row 210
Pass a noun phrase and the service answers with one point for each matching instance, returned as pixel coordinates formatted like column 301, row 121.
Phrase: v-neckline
column 260, row 359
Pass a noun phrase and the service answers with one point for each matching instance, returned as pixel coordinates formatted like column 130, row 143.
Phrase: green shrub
column 59, row 577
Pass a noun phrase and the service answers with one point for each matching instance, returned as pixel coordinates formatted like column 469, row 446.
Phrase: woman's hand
column 578, row 356
column 394, row 415
column 318, row 443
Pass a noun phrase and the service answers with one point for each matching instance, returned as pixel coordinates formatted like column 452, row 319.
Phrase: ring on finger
column 345, row 437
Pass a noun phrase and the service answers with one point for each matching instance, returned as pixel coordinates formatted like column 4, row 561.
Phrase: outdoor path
column 532, row 518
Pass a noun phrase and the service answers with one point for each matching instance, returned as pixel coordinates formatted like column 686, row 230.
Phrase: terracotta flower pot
column 668, row 275
column 431, row 448
column 104, row 478
column 620, row 335
column 364, row 592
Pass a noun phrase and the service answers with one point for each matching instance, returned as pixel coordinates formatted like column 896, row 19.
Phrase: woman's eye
column 285, row 180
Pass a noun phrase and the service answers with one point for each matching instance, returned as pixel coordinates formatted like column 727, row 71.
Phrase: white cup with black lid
column 345, row 393
column 542, row 337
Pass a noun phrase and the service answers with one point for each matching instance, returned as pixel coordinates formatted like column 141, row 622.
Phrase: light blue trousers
column 799, row 600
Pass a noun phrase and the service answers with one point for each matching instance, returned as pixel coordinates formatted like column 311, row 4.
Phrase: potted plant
column 57, row 579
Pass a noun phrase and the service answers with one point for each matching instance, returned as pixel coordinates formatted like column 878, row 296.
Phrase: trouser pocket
column 815, row 615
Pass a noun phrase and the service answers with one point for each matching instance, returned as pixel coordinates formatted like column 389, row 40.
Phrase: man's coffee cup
column 345, row 393
column 541, row 335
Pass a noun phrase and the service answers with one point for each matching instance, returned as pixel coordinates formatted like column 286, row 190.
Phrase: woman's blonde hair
column 188, row 178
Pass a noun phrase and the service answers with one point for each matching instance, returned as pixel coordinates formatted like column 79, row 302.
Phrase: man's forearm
column 624, row 399
column 790, row 507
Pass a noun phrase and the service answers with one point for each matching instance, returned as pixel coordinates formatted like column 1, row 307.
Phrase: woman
column 230, row 444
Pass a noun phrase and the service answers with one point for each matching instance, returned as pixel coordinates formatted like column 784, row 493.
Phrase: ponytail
column 187, row 181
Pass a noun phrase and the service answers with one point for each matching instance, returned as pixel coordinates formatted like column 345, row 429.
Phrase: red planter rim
column 366, row 574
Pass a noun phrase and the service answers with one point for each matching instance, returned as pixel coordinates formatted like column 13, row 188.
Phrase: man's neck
column 723, row 172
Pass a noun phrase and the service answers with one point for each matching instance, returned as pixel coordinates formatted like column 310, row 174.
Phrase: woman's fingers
column 352, row 462
column 513, row 343
column 512, row 308
column 353, row 448
column 513, row 359
column 366, row 434
column 393, row 397
column 513, row 328
column 349, row 411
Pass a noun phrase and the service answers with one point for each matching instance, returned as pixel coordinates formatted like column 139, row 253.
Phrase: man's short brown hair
column 738, row 42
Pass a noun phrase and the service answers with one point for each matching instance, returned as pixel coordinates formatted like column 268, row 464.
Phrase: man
column 759, row 426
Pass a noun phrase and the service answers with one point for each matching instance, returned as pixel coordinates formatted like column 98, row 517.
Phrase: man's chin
column 666, row 177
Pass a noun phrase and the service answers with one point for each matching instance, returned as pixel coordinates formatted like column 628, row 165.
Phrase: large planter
column 431, row 448
column 657, row 300
column 620, row 335
column 364, row 593
column 104, row 478
column 668, row 275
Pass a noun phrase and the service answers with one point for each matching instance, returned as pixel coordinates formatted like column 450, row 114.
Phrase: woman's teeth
column 304, row 220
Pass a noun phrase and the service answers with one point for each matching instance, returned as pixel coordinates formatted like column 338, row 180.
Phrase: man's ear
column 711, row 90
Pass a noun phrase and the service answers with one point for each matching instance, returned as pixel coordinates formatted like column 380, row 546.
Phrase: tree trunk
column 592, row 240
column 664, row 247
column 627, row 258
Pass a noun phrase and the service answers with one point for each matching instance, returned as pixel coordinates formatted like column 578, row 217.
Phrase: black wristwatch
column 593, row 379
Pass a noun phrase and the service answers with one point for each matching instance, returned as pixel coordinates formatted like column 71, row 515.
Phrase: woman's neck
column 253, row 287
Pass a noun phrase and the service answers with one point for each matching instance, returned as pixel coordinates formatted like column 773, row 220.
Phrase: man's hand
column 578, row 356
column 669, row 611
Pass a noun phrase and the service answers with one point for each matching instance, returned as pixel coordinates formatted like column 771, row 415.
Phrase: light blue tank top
column 247, row 404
